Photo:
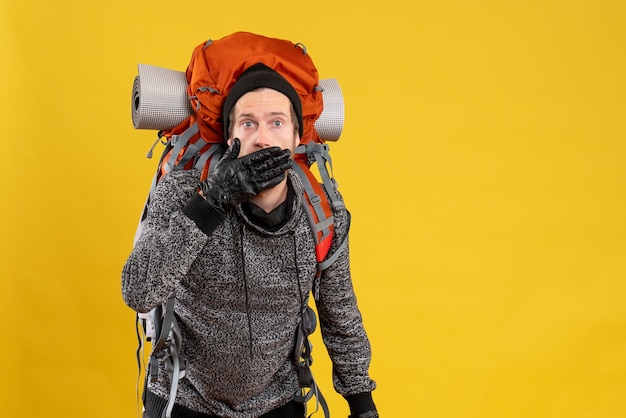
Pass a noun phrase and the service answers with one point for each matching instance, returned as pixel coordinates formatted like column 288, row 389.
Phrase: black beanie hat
column 254, row 77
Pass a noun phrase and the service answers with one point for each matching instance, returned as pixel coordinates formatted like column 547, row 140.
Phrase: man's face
column 262, row 119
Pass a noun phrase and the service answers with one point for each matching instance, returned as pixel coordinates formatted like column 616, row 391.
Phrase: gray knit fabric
column 239, row 296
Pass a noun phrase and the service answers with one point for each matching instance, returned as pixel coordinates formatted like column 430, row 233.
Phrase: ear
column 229, row 142
column 296, row 141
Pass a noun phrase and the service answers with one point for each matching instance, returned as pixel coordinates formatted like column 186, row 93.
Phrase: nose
column 262, row 139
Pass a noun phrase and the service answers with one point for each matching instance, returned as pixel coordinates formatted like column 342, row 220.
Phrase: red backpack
column 198, row 142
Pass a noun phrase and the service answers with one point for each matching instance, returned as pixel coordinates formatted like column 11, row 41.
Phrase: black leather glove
column 235, row 180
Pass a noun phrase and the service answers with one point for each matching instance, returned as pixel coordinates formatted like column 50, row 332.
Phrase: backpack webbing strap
column 167, row 347
column 141, row 336
column 165, row 324
column 304, row 360
column 190, row 153
column 204, row 157
column 319, row 153
column 330, row 260
column 175, row 369
column 313, row 390
column 319, row 220
column 179, row 142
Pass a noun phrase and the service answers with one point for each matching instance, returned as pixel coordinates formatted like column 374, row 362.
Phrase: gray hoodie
column 239, row 297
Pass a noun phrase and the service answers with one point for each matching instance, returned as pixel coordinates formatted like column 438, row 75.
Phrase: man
column 238, row 252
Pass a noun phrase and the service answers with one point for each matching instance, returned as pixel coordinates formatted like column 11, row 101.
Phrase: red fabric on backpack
column 216, row 65
column 213, row 70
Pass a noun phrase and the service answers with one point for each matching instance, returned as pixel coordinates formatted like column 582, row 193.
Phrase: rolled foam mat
column 159, row 101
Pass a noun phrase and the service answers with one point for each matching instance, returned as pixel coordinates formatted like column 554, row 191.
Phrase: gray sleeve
column 167, row 247
column 341, row 321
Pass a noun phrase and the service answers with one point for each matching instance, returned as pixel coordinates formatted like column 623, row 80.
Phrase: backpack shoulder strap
column 321, row 199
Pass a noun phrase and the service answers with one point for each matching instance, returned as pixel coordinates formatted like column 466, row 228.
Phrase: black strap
column 304, row 359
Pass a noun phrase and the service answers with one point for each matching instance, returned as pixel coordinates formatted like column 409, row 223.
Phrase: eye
column 247, row 124
column 278, row 123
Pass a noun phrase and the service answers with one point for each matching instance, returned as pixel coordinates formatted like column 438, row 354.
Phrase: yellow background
column 483, row 160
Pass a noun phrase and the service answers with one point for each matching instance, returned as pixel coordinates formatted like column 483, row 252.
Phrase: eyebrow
column 248, row 115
